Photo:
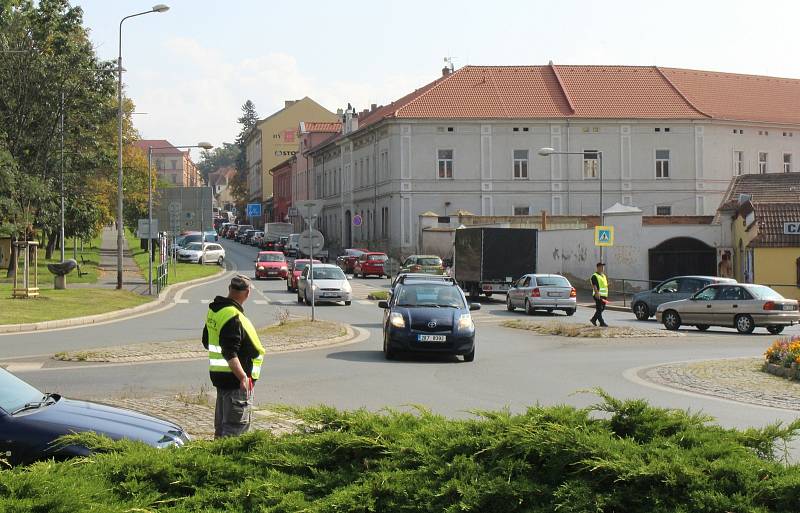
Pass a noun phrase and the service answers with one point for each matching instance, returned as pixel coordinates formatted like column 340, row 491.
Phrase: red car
column 297, row 269
column 271, row 264
column 370, row 263
column 347, row 261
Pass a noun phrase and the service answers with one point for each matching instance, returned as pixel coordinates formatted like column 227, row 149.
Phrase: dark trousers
column 599, row 306
column 232, row 413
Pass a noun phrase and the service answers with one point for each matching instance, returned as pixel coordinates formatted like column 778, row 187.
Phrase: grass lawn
column 90, row 254
column 64, row 304
column 179, row 273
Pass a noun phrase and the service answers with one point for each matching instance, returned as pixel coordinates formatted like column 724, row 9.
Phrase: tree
column 239, row 188
column 217, row 158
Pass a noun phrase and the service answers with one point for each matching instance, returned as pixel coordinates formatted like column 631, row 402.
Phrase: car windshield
column 552, row 281
column 378, row 258
column 328, row 273
column 194, row 246
column 431, row 261
column 299, row 266
column 430, row 295
column 765, row 293
column 271, row 258
column 15, row 393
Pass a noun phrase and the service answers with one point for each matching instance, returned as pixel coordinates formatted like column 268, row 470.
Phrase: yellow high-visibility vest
column 214, row 323
column 602, row 284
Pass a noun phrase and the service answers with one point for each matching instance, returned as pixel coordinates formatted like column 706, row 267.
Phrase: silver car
column 330, row 285
column 743, row 306
column 645, row 303
column 542, row 292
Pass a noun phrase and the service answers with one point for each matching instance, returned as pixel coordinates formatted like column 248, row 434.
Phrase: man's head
column 239, row 288
column 601, row 267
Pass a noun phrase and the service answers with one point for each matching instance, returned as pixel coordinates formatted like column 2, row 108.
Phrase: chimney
column 445, row 71
column 373, row 107
column 288, row 103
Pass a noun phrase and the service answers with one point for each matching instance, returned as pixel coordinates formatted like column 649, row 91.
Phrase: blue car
column 428, row 316
column 31, row 421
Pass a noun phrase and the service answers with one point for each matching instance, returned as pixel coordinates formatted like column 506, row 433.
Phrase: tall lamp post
column 203, row 145
column 159, row 8
column 546, row 152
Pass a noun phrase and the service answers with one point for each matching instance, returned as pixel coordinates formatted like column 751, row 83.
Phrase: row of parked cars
column 198, row 248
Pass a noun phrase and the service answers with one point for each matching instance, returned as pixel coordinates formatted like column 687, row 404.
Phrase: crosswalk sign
column 604, row 236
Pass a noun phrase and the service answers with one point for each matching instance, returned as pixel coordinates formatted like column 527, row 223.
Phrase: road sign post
column 253, row 210
column 603, row 238
column 310, row 210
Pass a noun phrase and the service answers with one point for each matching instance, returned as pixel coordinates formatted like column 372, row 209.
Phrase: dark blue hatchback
column 30, row 423
column 428, row 316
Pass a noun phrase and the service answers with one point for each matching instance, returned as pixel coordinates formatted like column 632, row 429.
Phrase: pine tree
column 247, row 120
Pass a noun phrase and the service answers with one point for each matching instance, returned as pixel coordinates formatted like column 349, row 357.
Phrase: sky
column 190, row 69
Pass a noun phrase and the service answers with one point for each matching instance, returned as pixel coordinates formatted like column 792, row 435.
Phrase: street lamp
column 203, row 145
column 546, row 152
column 159, row 8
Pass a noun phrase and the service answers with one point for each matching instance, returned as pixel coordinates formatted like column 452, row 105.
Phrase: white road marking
column 24, row 366
column 261, row 301
column 181, row 301
column 365, row 302
column 205, row 301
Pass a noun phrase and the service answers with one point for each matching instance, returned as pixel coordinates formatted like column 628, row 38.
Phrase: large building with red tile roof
column 671, row 141
column 175, row 166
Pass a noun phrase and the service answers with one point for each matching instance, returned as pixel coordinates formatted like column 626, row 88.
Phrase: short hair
column 240, row 282
column 600, row 264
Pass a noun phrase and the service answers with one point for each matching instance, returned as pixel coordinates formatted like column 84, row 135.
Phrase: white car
column 330, row 285
column 195, row 253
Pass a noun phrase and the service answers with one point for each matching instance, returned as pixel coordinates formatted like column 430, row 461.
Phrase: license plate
column 788, row 307
column 330, row 294
column 553, row 294
column 272, row 272
column 431, row 338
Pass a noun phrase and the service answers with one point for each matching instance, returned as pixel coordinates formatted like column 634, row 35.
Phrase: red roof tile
column 597, row 92
column 770, row 218
column 166, row 148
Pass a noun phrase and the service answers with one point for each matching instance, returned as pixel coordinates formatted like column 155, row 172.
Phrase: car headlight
column 260, row 268
column 396, row 320
column 284, row 268
column 346, row 287
column 465, row 322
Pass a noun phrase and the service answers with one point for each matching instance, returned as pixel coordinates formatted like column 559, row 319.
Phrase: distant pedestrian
column 600, row 294
column 235, row 356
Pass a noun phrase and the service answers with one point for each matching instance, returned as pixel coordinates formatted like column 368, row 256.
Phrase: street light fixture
column 158, row 8
column 204, row 145
column 546, row 152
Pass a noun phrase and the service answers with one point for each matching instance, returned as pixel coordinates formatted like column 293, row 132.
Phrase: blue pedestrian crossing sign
column 253, row 210
column 604, row 236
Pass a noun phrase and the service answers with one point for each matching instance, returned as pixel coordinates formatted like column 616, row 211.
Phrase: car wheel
column 570, row 311
column 702, row 327
column 348, row 303
column 528, row 308
column 470, row 357
column 671, row 320
column 775, row 330
column 509, row 306
column 641, row 311
column 220, row 260
column 744, row 324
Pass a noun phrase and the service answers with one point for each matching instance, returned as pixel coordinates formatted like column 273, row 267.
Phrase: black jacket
column 234, row 343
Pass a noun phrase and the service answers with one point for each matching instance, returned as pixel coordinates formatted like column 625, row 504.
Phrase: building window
column 762, row 162
column 521, row 164
column 787, row 162
column 590, row 164
column 366, row 166
column 556, row 210
column 384, row 222
column 385, row 164
column 738, row 163
column 662, row 163
column 627, row 200
column 444, row 164
column 663, row 210
column 174, row 164
column 522, row 211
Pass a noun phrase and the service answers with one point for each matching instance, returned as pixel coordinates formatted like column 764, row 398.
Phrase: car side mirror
column 383, row 304
column 474, row 306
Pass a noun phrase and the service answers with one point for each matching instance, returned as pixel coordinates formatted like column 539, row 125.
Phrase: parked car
column 271, row 264
column 330, row 285
column 196, row 253
column 230, row 231
column 428, row 316
column 257, row 239
column 370, row 264
column 743, row 306
column 347, row 260
column 190, row 238
column 547, row 292
column 426, row 264
column 645, row 303
column 241, row 231
column 31, row 421
column 295, row 271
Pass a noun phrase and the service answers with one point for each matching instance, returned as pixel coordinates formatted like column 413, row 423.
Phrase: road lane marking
column 365, row 302
column 261, row 301
column 181, row 301
column 205, row 301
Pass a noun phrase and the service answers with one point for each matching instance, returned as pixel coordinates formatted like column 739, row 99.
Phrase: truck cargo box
column 494, row 254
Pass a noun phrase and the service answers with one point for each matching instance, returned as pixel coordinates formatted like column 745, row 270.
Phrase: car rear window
column 378, row 258
column 764, row 293
column 430, row 261
column 552, row 281
column 328, row 273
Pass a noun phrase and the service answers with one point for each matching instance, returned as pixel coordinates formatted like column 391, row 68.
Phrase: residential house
column 219, row 181
column 174, row 166
column 666, row 140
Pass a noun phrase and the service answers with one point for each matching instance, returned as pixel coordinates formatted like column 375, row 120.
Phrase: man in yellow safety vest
column 600, row 294
column 235, row 356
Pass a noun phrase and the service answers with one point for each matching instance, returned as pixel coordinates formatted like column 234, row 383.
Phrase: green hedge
column 620, row 456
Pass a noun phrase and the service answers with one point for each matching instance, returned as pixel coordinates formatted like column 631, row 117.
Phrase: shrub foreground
column 635, row 458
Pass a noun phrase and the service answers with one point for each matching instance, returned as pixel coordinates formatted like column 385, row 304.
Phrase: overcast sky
column 191, row 68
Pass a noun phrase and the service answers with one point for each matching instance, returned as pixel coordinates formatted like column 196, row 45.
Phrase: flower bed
column 783, row 357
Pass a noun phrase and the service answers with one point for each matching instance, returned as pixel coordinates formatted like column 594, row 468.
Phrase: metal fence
column 162, row 272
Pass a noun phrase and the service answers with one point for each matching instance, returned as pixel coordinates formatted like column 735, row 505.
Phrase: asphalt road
column 512, row 369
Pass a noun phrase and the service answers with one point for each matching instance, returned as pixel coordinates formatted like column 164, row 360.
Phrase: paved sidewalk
column 132, row 277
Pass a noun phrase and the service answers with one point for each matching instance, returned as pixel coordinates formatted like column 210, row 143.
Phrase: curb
column 115, row 315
